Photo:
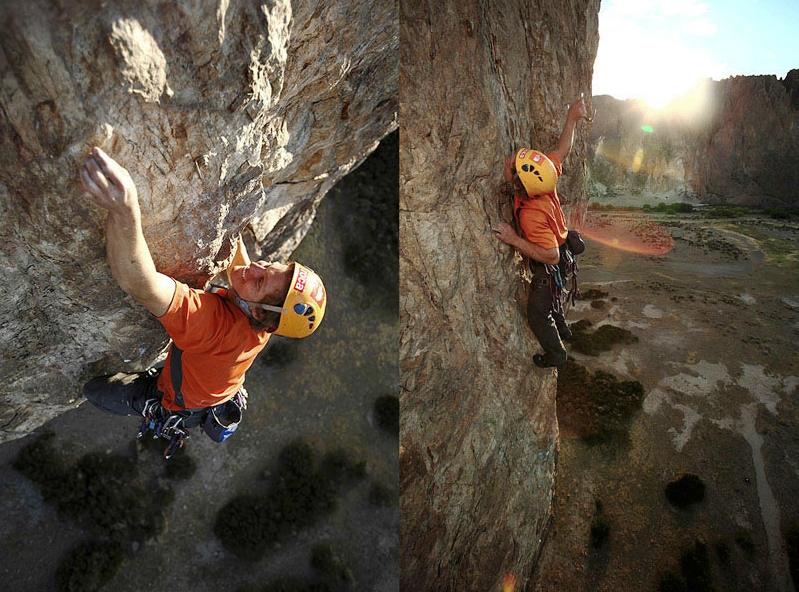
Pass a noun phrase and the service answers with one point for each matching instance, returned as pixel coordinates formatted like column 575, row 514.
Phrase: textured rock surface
column 731, row 141
column 229, row 115
column 478, row 426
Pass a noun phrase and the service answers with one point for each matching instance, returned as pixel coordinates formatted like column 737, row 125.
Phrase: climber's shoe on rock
column 541, row 362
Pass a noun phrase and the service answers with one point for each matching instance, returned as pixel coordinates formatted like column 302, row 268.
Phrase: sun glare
column 639, row 57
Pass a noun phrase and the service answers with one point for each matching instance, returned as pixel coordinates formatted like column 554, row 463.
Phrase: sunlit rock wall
column 478, row 425
column 732, row 141
column 230, row 116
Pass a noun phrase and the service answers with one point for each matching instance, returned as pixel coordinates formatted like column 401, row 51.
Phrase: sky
column 658, row 49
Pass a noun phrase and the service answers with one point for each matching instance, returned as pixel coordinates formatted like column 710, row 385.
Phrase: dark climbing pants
column 546, row 318
column 123, row 394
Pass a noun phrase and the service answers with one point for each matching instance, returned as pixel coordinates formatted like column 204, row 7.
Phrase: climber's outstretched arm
column 111, row 188
column 507, row 235
column 576, row 112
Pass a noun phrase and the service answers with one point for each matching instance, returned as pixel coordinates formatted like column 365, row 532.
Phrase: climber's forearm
column 566, row 140
column 536, row 252
column 111, row 187
column 132, row 264
column 577, row 111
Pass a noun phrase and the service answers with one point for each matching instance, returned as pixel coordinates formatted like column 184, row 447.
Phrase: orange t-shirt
column 541, row 218
column 218, row 346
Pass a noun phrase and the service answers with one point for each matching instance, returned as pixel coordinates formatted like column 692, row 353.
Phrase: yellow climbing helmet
column 305, row 304
column 537, row 173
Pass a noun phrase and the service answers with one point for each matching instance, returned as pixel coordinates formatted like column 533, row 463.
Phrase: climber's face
column 261, row 281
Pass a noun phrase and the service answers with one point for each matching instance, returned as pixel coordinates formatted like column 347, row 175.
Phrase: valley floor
column 717, row 321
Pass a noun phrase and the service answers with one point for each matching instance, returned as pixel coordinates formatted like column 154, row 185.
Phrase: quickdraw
column 163, row 425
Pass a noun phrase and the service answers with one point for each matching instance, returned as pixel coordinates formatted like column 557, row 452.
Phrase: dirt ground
column 717, row 321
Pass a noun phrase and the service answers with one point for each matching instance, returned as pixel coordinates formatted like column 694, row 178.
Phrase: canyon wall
column 478, row 80
column 734, row 141
column 231, row 116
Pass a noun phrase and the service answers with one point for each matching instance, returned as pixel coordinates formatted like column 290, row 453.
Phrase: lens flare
column 509, row 582
column 634, row 234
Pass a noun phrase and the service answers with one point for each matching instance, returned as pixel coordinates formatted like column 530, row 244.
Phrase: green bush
column 330, row 564
column 601, row 340
column 371, row 249
column 382, row 495
column 792, row 544
column 600, row 531
column 88, row 567
column 387, row 413
column 685, row 490
column 695, row 567
column 104, row 493
column 598, row 407
column 181, row 466
column 305, row 490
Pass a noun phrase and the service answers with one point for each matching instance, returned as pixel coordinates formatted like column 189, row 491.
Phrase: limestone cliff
column 731, row 141
column 230, row 116
column 478, row 425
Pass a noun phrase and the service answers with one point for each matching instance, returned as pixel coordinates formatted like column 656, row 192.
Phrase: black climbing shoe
column 539, row 361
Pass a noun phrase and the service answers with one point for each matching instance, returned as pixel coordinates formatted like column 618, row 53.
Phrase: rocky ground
column 717, row 321
column 321, row 390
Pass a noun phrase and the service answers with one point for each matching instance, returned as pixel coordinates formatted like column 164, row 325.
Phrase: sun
column 639, row 58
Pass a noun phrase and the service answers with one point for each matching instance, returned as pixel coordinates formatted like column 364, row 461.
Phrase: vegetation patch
column 382, row 495
column 386, row 413
column 600, row 527
column 279, row 352
column 727, row 211
column 331, row 565
column 89, row 566
column 104, row 493
column 286, row 585
column 671, row 209
column 792, row 544
column 601, row 340
column 596, row 407
column 592, row 294
column 107, row 495
column 306, row 490
column 685, row 490
column 181, row 466
column 695, row 572
column 779, row 252
column 371, row 247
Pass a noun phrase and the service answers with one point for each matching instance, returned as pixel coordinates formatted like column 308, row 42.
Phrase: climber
column 215, row 335
column 544, row 231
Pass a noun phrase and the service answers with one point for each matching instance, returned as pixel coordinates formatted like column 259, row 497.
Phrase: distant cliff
column 478, row 434
column 733, row 141
column 229, row 115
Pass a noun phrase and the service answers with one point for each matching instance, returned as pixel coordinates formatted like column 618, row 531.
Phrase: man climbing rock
column 532, row 183
column 215, row 336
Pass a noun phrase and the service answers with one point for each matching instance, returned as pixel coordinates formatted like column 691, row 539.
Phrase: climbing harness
column 561, row 278
column 566, row 271
column 218, row 422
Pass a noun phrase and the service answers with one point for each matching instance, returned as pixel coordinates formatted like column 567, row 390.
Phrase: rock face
column 478, row 427
column 229, row 115
column 733, row 141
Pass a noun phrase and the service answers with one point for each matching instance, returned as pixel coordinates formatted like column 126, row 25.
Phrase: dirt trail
column 717, row 358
